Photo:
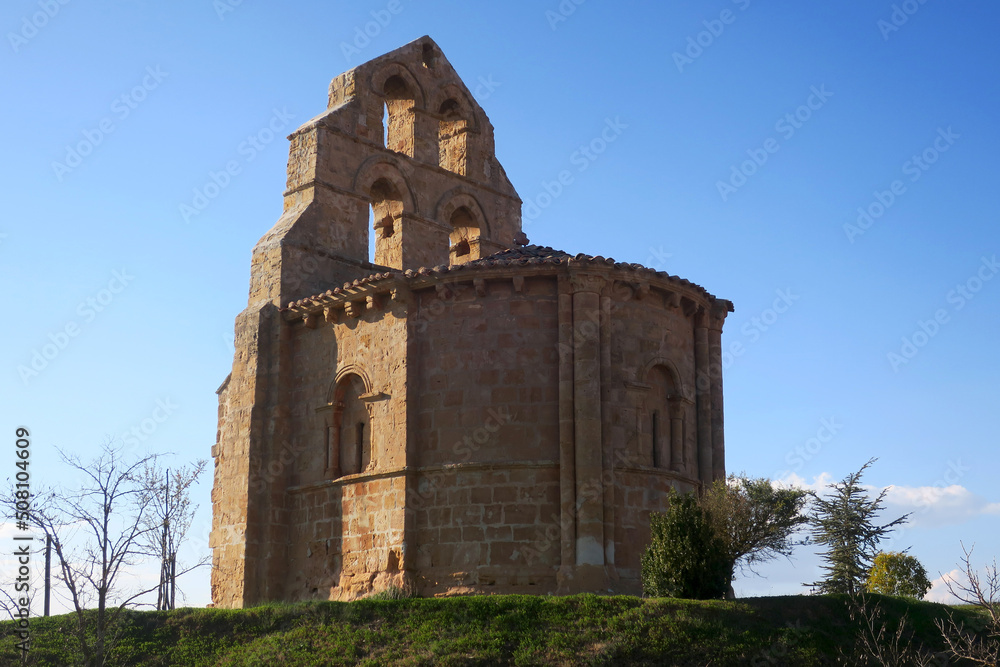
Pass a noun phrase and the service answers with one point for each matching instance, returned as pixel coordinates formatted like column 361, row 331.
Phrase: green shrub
column 685, row 557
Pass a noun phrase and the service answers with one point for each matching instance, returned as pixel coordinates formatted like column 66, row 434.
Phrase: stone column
column 587, row 421
column 567, row 454
column 715, row 365
column 607, row 444
column 662, row 436
column 703, row 396
column 331, row 434
column 676, row 440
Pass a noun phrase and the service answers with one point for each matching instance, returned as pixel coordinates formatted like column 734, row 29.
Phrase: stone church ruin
column 467, row 413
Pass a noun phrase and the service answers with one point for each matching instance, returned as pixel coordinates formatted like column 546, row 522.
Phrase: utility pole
column 173, row 578
column 48, row 571
column 166, row 570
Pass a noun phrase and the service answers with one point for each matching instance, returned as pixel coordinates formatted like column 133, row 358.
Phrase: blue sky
column 747, row 136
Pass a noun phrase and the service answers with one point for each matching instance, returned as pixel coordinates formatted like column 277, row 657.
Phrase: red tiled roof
column 529, row 255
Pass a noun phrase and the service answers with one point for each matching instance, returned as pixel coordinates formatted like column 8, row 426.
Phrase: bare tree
column 875, row 643
column 168, row 519
column 98, row 531
column 980, row 645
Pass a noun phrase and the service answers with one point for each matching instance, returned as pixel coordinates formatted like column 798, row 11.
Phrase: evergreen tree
column 844, row 522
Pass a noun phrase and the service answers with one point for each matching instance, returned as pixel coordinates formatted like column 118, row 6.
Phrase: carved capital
column 677, row 405
column 718, row 314
column 586, row 282
column 702, row 318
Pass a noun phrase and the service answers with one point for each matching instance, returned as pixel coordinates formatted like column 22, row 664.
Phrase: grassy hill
column 491, row 630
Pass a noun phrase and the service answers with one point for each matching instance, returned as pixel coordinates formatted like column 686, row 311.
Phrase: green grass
column 489, row 630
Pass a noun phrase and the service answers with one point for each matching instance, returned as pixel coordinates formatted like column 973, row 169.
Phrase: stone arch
column 401, row 95
column 389, row 197
column 349, row 449
column 456, row 120
column 389, row 70
column 380, row 167
column 463, row 240
column 670, row 367
column 464, row 216
column 457, row 198
column 465, row 106
column 664, row 415
column 349, row 369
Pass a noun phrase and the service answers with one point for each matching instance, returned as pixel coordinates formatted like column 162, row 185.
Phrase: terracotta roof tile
column 529, row 255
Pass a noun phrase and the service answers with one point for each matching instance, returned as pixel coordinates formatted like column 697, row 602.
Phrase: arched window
column 386, row 213
column 351, row 433
column 399, row 102
column 385, row 125
column 453, row 134
column 666, row 420
column 464, row 237
column 428, row 56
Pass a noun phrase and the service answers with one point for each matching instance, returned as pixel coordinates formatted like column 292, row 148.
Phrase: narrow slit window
column 362, row 454
column 656, row 438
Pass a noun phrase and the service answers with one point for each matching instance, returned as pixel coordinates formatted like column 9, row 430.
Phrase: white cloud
column 820, row 481
column 931, row 506
column 936, row 506
column 939, row 588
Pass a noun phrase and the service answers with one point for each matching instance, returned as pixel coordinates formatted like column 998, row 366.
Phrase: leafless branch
column 979, row 644
column 876, row 644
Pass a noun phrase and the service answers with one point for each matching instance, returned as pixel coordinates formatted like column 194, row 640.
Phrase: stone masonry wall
column 485, row 378
column 348, row 538
column 347, row 529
